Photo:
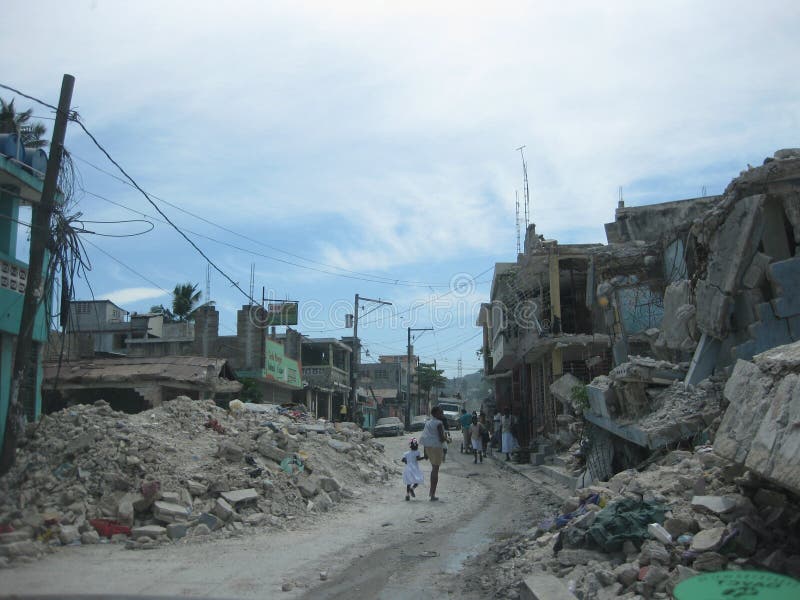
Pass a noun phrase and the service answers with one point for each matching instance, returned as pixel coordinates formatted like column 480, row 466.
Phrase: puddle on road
column 464, row 543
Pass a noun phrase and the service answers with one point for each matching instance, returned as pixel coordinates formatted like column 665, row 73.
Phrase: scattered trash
column 215, row 425
column 107, row 527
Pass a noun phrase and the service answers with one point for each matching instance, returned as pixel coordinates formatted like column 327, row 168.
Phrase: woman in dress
column 508, row 424
column 412, row 474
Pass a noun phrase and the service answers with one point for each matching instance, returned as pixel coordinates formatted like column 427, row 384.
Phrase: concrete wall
column 760, row 427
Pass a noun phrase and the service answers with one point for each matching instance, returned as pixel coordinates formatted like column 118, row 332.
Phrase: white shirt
column 430, row 434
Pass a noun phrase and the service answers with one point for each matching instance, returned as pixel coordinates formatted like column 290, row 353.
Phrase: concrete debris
column 760, row 428
column 740, row 522
column 187, row 480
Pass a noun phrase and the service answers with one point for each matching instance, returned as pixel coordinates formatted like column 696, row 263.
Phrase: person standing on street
column 466, row 422
column 496, row 430
column 432, row 439
column 476, row 435
column 508, row 424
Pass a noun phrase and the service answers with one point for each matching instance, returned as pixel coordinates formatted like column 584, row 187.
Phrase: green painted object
column 741, row 585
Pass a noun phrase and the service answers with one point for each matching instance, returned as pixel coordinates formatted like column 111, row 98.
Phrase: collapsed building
column 624, row 348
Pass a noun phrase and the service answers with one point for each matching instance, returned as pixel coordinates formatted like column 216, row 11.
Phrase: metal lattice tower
column 526, row 191
column 519, row 246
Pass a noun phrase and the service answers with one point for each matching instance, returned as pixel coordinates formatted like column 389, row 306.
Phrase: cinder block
column 537, row 458
column 544, row 586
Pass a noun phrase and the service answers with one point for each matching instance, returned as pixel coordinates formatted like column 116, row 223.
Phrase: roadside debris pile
column 186, row 469
column 641, row 533
column 732, row 506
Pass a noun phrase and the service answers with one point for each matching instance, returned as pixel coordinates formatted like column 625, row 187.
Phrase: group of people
column 477, row 437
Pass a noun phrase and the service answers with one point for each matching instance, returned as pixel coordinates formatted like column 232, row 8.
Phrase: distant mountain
column 472, row 387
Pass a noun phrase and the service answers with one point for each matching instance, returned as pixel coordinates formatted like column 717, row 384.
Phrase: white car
column 388, row 426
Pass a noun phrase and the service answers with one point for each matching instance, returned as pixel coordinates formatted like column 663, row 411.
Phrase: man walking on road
column 466, row 422
column 433, row 439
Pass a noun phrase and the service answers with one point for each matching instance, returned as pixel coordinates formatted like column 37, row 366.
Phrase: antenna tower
column 525, row 189
column 703, row 191
column 519, row 247
column 460, row 368
column 252, row 281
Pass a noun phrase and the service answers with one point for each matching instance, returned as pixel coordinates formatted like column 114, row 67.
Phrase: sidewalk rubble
column 710, row 514
column 732, row 505
column 183, row 471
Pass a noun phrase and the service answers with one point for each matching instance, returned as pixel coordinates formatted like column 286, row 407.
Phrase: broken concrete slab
column 150, row 531
column 562, row 388
column 176, row 531
column 704, row 360
column 268, row 449
column 708, row 540
column 759, row 427
column 714, row 504
column 601, row 396
column 746, row 390
column 222, row 509
column 785, row 278
column 167, row 512
column 678, row 326
column 544, row 586
column 241, row 496
column 340, row 446
column 756, row 273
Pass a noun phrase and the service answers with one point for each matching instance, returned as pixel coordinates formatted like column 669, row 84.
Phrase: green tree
column 184, row 300
column 429, row 378
column 31, row 133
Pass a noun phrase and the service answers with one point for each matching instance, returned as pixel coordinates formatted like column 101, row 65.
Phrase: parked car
column 418, row 422
column 388, row 426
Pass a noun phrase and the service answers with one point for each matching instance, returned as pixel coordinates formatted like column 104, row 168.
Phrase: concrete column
column 6, row 354
column 555, row 291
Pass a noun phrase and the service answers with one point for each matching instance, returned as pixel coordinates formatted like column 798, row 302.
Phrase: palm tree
column 184, row 299
column 11, row 121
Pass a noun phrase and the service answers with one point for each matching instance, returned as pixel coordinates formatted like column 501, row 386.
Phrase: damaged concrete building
column 626, row 346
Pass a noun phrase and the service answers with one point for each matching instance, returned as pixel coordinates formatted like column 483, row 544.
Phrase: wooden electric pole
column 38, row 286
column 408, row 373
column 355, row 360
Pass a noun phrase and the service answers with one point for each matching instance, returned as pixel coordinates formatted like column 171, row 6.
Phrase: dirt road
column 379, row 546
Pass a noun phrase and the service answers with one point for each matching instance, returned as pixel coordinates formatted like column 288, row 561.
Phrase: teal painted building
column 18, row 186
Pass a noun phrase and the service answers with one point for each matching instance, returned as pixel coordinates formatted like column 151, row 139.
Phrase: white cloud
column 135, row 294
column 379, row 137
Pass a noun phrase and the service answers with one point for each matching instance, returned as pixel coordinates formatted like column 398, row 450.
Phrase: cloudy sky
column 369, row 147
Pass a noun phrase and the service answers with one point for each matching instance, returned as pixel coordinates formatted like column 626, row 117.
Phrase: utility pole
column 355, row 360
column 37, row 288
column 408, row 373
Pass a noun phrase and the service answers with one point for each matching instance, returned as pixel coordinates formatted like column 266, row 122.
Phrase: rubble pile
column 641, row 533
column 186, row 469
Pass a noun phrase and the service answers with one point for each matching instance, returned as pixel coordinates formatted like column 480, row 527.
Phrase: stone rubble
column 88, row 473
column 739, row 522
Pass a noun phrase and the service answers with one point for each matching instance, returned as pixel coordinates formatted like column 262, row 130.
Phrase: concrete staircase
column 553, row 467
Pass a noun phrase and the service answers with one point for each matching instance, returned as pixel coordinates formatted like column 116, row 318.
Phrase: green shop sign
column 280, row 368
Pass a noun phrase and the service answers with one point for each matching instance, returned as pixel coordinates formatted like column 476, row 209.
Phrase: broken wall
column 761, row 427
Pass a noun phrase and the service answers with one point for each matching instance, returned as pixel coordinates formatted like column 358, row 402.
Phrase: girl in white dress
column 412, row 475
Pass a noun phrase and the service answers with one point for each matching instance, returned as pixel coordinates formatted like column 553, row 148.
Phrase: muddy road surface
column 376, row 546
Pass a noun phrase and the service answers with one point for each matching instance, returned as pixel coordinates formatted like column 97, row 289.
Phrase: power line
column 75, row 118
column 131, row 269
column 362, row 276
column 161, row 212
